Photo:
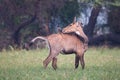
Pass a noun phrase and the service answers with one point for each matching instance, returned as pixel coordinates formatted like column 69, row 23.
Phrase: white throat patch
column 77, row 32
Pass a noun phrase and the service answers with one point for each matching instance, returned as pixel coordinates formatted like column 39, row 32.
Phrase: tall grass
column 101, row 64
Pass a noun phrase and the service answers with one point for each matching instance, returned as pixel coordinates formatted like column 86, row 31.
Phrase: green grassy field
column 101, row 64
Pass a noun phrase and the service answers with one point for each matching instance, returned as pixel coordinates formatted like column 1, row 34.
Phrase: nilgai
column 66, row 42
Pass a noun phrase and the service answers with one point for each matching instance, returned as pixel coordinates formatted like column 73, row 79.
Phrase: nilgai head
column 76, row 27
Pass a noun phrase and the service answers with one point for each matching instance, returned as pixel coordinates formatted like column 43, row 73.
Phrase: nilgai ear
column 77, row 24
column 74, row 20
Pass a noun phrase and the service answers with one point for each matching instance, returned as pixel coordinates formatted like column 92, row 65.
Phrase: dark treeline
column 21, row 20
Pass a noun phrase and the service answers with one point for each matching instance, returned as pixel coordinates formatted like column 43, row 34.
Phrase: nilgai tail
column 40, row 38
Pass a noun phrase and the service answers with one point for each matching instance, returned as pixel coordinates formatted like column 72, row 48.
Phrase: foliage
column 13, row 13
column 101, row 64
column 69, row 11
column 114, row 19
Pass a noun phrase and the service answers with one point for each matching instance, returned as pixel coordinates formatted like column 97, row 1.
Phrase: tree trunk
column 92, row 21
column 16, row 34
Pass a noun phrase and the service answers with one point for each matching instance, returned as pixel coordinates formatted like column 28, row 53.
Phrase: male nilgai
column 65, row 43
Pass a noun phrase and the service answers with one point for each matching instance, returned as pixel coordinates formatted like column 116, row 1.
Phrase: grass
column 101, row 64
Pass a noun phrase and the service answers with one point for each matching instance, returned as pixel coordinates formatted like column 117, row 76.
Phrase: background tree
column 69, row 11
column 17, row 15
column 90, row 27
column 114, row 19
column 20, row 20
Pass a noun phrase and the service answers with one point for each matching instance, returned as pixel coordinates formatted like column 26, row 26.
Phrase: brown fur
column 76, row 28
column 65, row 44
